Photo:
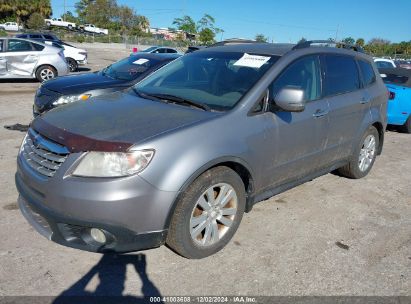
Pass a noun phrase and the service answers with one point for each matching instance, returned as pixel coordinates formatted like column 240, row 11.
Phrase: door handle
column 320, row 113
column 365, row 100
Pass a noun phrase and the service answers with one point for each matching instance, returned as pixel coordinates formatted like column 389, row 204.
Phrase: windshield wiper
column 180, row 100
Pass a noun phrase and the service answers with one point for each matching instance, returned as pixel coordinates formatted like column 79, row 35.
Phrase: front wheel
column 73, row 65
column 364, row 155
column 207, row 214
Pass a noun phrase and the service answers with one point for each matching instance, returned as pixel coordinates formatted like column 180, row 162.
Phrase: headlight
column 113, row 164
column 71, row 98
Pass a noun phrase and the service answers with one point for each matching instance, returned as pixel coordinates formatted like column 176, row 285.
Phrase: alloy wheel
column 213, row 214
column 46, row 74
column 367, row 153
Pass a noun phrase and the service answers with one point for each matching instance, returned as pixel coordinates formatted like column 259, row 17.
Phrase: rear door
column 297, row 139
column 21, row 57
column 3, row 61
column 348, row 102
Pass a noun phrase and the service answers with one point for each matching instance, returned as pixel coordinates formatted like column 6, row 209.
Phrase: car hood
column 80, row 83
column 114, row 122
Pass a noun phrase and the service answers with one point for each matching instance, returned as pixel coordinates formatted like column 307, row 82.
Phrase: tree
column 186, row 24
column 69, row 17
column 260, row 38
column 302, row 40
column 206, row 36
column 35, row 22
column 21, row 10
column 348, row 40
column 360, row 42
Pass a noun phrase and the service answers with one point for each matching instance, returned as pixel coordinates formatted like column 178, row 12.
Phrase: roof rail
column 233, row 41
column 328, row 43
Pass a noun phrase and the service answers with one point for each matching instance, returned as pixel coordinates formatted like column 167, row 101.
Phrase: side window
column 171, row 51
column 48, row 37
column 18, row 46
column 1, row 45
column 367, row 72
column 304, row 74
column 384, row 65
column 35, row 37
column 341, row 75
column 161, row 51
column 38, row 47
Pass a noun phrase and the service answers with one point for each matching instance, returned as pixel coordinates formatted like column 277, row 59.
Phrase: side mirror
column 290, row 99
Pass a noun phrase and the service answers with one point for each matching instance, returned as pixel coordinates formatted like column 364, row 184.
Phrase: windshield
column 130, row 68
column 215, row 79
column 150, row 49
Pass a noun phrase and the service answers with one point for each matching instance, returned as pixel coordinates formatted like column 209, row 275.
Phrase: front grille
column 43, row 155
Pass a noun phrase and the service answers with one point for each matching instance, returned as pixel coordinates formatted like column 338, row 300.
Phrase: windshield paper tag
column 252, row 61
column 141, row 61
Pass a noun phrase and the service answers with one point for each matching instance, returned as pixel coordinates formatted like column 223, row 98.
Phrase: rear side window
column 341, row 75
column 367, row 72
column 38, row 47
column 35, row 37
column 48, row 37
column 171, row 51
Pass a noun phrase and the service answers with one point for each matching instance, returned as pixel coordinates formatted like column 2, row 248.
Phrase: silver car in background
column 23, row 58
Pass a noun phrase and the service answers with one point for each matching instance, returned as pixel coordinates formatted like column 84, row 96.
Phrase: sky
column 282, row 20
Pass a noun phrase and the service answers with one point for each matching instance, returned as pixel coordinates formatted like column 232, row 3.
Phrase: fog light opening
column 98, row 235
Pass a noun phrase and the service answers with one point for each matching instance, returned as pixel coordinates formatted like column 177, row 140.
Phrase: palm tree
column 143, row 23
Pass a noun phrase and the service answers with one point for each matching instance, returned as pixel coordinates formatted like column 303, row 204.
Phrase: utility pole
column 336, row 33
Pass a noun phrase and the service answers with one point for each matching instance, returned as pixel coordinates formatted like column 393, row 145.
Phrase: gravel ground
column 331, row 236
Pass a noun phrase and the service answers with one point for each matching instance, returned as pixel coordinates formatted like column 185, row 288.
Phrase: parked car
column 40, row 36
column 179, row 157
column 60, row 23
column 74, row 56
column 403, row 64
column 194, row 48
column 383, row 63
column 119, row 76
column 23, row 58
column 160, row 50
column 398, row 82
column 91, row 28
column 10, row 26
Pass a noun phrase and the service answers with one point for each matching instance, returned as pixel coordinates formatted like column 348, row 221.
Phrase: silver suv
column 183, row 154
column 23, row 58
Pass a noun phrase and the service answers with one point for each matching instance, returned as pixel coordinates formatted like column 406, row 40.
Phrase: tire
column 45, row 72
column 48, row 24
column 406, row 128
column 73, row 65
column 196, row 215
column 364, row 155
column 70, row 27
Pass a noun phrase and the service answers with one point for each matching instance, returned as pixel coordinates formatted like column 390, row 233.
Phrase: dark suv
column 182, row 155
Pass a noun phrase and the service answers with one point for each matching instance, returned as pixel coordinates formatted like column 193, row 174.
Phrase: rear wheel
column 70, row 27
column 207, row 214
column 45, row 72
column 406, row 128
column 364, row 155
column 48, row 24
column 73, row 65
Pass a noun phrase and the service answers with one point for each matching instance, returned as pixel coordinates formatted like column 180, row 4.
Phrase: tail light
column 391, row 95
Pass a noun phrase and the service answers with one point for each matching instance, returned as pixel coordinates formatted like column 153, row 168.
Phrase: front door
column 298, row 139
column 21, row 57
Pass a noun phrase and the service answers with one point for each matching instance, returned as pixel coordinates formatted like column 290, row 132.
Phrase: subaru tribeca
column 182, row 155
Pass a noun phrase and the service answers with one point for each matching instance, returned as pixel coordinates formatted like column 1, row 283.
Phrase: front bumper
column 131, row 212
